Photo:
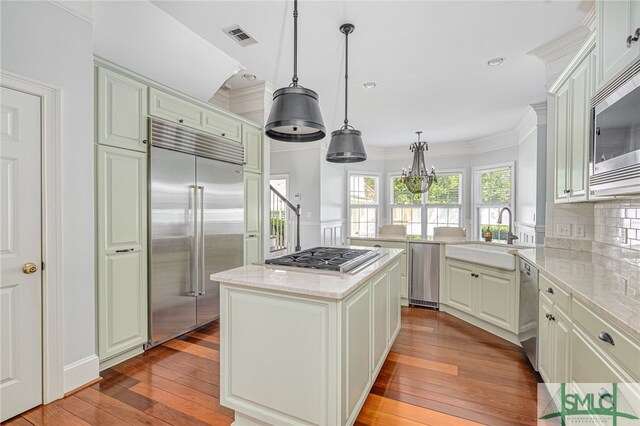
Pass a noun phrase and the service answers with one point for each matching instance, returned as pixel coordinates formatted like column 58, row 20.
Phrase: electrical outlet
column 580, row 231
column 623, row 235
column 563, row 230
column 297, row 197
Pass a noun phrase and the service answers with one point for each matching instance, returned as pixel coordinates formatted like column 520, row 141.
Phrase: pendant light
column 295, row 114
column 416, row 178
column 346, row 144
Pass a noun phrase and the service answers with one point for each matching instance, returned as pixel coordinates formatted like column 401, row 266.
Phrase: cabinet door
column 121, row 111
column 252, row 249
column 545, row 339
column 580, row 92
column 122, row 250
column 380, row 317
column 460, row 288
column 394, row 299
column 252, row 203
column 496, row 299
column 616, row 21
column 222, row 126
column 357, row 348
column 174, row 109
column 561, row 347
column 252, row 141
column 562, row 133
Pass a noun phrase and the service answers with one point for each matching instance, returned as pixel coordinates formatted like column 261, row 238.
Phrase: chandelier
column 416, row 178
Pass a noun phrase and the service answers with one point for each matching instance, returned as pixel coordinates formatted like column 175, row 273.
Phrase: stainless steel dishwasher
column 424, row 274
column 528, row 330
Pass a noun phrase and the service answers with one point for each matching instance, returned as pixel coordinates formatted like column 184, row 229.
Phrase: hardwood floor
column 441, row 371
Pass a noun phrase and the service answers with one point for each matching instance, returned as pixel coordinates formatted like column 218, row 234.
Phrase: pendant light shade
column 295, row 114
column 346, row 144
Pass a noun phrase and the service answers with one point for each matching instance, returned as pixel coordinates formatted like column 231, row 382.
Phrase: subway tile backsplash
column 613, row 222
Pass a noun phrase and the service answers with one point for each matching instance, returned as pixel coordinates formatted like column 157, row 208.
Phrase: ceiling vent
column 239, row 35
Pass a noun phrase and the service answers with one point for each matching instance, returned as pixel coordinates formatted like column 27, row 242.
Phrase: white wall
column 43, row 42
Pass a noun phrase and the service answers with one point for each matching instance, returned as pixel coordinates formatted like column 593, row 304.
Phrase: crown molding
column 566, row 44
column 71, row 8
column 589, row 20
column 583, row 52
column 541, row 111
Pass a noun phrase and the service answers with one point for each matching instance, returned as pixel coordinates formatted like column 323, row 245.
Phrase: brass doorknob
column 29, row 268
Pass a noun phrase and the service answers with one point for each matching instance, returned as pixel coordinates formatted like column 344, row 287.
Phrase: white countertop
column 607, row 286
column 445, row 241
column 303, row 281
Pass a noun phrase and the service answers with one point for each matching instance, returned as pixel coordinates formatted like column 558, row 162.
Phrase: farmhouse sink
column 482, row 254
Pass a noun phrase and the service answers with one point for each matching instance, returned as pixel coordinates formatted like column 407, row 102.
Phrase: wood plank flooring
column 441, row 371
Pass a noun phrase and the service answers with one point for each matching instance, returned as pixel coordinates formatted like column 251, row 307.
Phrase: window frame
column 476, row 194
column 375, row 175
column 424, row 204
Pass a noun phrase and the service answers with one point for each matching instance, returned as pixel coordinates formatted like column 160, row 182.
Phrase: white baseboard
column 80, row 372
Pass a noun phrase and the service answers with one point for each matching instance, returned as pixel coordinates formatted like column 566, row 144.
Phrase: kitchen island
column 302, row 346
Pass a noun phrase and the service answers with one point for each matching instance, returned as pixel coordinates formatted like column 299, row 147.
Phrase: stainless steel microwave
column 615, row 150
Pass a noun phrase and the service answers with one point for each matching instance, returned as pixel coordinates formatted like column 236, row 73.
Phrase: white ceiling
column 428, row 58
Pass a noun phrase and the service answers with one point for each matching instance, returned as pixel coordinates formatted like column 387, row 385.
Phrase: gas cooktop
column 342, row 259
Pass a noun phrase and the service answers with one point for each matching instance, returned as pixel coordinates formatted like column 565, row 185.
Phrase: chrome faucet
column 510, row 236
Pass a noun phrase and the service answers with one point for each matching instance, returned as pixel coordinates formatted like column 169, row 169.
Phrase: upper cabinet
column 572, row 93
column 222, row 126
column 252, row 141
column 121, row 111
column 174, row 109
column 617, row 23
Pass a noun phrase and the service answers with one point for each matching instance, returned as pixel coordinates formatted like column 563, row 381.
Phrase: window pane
column 362, row 190
column 496, row 187
column 401, row 194
column 408, row 216
column 445, row 191
column 442, row 217
column 363, row 221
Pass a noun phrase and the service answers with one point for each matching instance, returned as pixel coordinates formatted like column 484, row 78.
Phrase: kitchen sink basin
column 482, row 254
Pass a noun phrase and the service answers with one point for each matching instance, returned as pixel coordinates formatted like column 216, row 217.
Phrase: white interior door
column 20, row 254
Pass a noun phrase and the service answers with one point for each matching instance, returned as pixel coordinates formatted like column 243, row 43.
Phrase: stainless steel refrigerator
column 196, row 225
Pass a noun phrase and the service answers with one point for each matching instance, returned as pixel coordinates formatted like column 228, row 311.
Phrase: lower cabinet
column 380, row 320
column 485, row 293
column 122, row 250
column 554, row 334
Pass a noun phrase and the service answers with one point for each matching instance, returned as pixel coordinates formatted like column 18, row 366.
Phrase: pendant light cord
column 295, row 43
column 346, row 77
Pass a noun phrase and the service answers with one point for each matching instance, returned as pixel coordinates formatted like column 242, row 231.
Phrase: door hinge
column 42, row 268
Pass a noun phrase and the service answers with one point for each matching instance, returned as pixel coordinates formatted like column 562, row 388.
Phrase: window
column 440, row 206
column 363, row 205
column 279, row 215
column 493, row 191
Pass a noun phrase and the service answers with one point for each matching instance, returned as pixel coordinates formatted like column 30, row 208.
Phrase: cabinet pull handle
column 566, row 191
column 550, row 290
column 606, row 337
column 252, row 235
column 124, row 250
column 224, row 134
column 552, row 318
column 633, row 38
column 181, row 121
column 144, row 141
column 377, row 245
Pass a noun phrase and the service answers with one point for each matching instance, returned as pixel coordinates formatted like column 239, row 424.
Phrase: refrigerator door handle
column 194, row 249
column 202, row 283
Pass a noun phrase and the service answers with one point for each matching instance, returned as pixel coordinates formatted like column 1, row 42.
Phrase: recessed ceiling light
column 249, row 77
column 369, row 85
column 495, row 61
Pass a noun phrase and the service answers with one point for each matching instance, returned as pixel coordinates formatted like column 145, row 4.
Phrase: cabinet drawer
column 624, row 351
column 385, row 244
column 222, row 126
column 174, row 109
column 559, row 297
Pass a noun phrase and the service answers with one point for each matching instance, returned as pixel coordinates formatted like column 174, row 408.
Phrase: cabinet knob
column 181, row 121
column 224, row 134
column 145, row 141
column 566, row 191
column 606, row 337
column 633, row 38
column 550, row 290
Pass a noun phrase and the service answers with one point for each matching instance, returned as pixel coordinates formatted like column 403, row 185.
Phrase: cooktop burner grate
column 326, row 258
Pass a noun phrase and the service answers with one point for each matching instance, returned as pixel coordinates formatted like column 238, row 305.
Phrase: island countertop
column 304, row 281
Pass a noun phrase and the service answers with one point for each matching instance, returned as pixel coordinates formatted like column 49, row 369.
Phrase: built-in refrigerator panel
column 172, row 238
column 424, row 278
column 221, row 191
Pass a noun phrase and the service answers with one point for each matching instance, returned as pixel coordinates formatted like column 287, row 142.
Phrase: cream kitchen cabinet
column 122, row 251
column 554, row 334
column 222, row 126
column 174, row 109
column 572, row 92
column 252, row 218
column 488, row 294
column 252, row 141
column 616, row 22
column 121, row 111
